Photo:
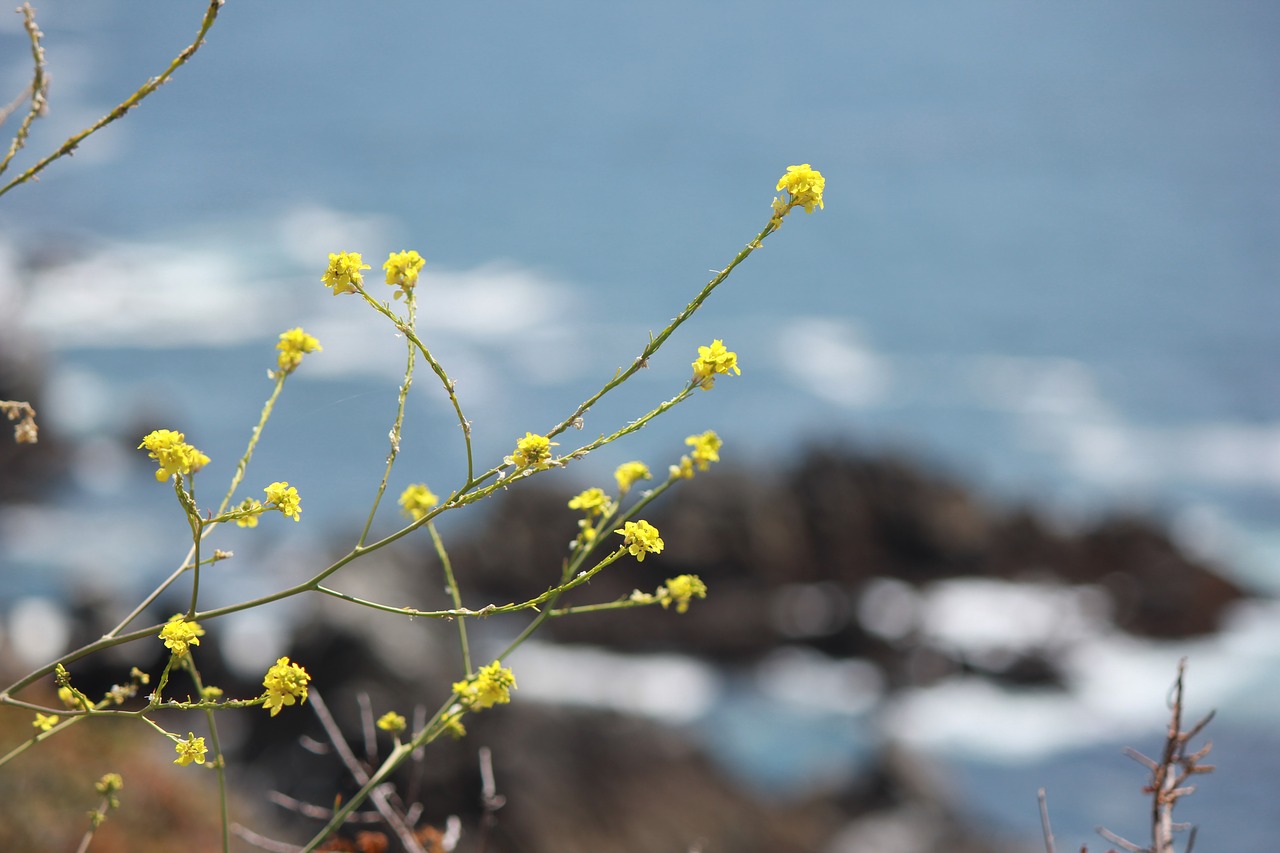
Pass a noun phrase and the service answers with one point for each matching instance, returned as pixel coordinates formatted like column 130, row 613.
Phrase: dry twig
column 1169, row 777
column 25, row 430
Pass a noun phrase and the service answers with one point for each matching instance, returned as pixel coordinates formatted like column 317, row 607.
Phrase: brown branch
column 1169, row 774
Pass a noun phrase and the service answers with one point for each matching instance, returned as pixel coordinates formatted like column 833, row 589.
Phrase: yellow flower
column 492, row 685
column 706, row 448
column 179, row 634
column 627, row 474
column 293, row 345
column 532, row 450
column 251, row 509
column 391, row 722
column 417, row 500
column 682, row 471
column 285, row 684
column 44, row 722
column 210, row 693
column 586, row 532
column 343, row 274
column 640, row 538
column 804, row 186
column 681, row 590
column 402, row 270
column 70, row 698
column 109, row 784
column 593, row 502
column 189, row 750
column 172, row 453
column 285, row 498
column 714, row 360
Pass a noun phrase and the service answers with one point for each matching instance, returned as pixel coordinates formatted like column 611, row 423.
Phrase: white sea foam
column 144, row 295
column 676, row 688
column 1116, row 689
column 832, row 360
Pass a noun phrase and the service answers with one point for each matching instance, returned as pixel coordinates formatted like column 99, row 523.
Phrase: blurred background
column 1005, row 448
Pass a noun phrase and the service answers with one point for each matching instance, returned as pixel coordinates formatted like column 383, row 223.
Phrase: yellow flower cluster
column 593, row 502
column 172, row 453
column 44, row 722
column 402, row 270
column 532, row 450
column 417, row 500
column 492, row 685
column 285, row 684
column 251, row 509
column 640, row 538
column 392, row 722
column 344, row 272
column 712, row 361
column 682, row 590
column 179, row 635
column 804, row 187
column 628, row 473
column 706, row 449
column 189, row 750
column 109, row 784
column 285, row 498
column 293, row 345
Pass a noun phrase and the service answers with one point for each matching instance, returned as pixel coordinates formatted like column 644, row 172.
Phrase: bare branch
column 1044, row 822
column 1123, row 842
column 378, row 795
column 73, row 142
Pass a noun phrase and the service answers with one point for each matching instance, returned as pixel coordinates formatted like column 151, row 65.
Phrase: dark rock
column 832, row 524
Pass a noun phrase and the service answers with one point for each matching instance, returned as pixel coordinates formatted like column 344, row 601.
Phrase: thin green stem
column 243, row 464
column 656, row 342
column 624, row 603
column 39, row 85
column 70, row 145
column 455, row 594
column 395, row 426
column 219, row 758
column 399, row 754
column 406, row 329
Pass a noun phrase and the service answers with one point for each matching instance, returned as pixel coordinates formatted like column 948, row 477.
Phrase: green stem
column 219, row 760
column 70, row 145
column 243, row 464
column 454, row 592
column 408, row 331
column 39, row 86
column 399, row 754
column 655, row 343
column 395, row 427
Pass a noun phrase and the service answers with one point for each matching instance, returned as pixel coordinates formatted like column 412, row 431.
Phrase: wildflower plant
column 610, row 529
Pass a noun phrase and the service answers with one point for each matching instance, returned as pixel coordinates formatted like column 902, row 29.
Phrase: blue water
column 1048, row 261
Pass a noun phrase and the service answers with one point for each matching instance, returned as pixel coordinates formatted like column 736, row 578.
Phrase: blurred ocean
column 1048, row 261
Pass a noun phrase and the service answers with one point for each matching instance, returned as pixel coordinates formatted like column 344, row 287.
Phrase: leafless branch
column 1169, row 775
column 39, row 86
column 379, row 795
column 1044, row 822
